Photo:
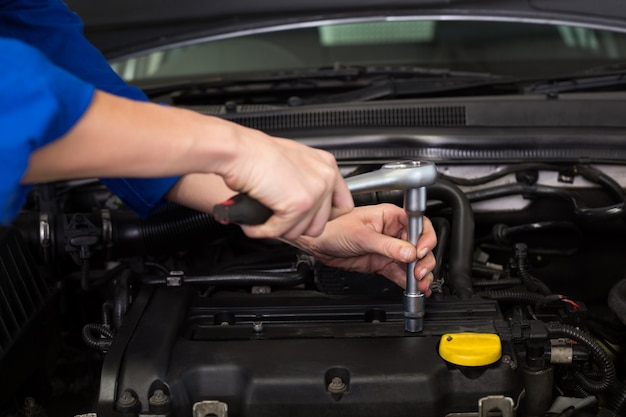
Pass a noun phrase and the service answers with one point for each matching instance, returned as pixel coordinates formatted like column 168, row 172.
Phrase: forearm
column 200, row 191
column 119, row 137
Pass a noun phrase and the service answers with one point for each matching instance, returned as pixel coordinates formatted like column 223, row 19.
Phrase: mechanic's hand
column 372, row 239
column 302, row 185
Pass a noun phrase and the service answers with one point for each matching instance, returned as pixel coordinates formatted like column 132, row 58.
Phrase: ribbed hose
column 97, row 336
column 607, row 369
column 617, row 401
column 514, row 295
column 169, row 228
column 175, row 223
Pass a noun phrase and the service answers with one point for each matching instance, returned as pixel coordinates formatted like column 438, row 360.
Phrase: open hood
column 120, row 27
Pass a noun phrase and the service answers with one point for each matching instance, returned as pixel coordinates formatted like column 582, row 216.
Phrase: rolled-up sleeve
column 53, row 29
column 40, row 103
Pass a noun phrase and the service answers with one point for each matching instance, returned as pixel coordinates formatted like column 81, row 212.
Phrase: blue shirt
column 48, row 73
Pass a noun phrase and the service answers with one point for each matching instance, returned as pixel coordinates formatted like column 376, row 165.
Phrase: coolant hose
column 607, row 368
column 462, row 241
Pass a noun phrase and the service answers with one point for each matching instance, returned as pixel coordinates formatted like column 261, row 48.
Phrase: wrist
column 218, row 153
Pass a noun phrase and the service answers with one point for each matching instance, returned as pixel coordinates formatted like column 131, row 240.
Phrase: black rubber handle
column 241, row 209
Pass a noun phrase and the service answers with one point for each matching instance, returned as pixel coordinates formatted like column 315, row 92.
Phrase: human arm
column 120, row 137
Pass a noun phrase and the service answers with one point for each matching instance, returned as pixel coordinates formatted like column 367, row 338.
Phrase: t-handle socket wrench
column 410, row 176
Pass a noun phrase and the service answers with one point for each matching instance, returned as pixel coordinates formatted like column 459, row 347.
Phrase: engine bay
column 178, row 315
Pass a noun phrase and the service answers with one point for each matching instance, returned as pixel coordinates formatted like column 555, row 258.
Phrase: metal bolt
column 506, row 359
column 126, row 400
column 261, row 289
column 159, row 402
column 337, row 386
column 257, row 326
column 159, row 398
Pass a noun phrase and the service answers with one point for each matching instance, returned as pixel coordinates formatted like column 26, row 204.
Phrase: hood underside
column 120, row 27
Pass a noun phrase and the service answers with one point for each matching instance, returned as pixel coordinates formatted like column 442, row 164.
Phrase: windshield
column 508, row 48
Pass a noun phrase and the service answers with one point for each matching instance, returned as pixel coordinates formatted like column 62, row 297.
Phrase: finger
column 391, row 247
column 425, row 265
column 342, row 201
column 423, row 285
column 316, row 225
column 427, row 240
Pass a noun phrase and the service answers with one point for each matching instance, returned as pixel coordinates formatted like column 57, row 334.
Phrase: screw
column 159, row 398
column 159, row 402
column 506, row 359
column 126, row 400
column 337, row 386
column 257, row 326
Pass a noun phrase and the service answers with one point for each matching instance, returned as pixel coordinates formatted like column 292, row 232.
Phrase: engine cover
column 296, row 353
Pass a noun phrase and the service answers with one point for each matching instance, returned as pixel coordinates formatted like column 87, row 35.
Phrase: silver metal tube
column 414, row 205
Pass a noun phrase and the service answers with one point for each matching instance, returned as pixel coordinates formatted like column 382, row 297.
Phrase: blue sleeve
column 40, row 103
column 57, row 32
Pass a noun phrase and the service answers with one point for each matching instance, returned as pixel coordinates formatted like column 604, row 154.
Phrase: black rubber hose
column 442, row 228
column 282, row 279
column 504, row 234
column 245, row 278
column 462, row 236
column 122, row 298
column 535, row 191
column 604, row 362
column 501, row 173
column 96, row 341
column 594, row 175
column 531, row 283
column 170, row 227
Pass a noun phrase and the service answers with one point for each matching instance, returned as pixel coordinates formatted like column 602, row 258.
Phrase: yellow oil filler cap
column 470, row 349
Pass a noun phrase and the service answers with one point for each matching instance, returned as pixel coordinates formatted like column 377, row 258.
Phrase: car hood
column 123, row 27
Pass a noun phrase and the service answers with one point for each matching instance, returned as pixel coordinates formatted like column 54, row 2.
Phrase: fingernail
column 422, row 273
column 406, row 254
column 422, row 252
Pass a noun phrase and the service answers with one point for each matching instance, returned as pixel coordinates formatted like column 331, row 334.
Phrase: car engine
column 106, row 314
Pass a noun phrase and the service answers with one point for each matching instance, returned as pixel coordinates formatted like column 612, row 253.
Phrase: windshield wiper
column 358, row 83
column 394, row 85
column 596, row 78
